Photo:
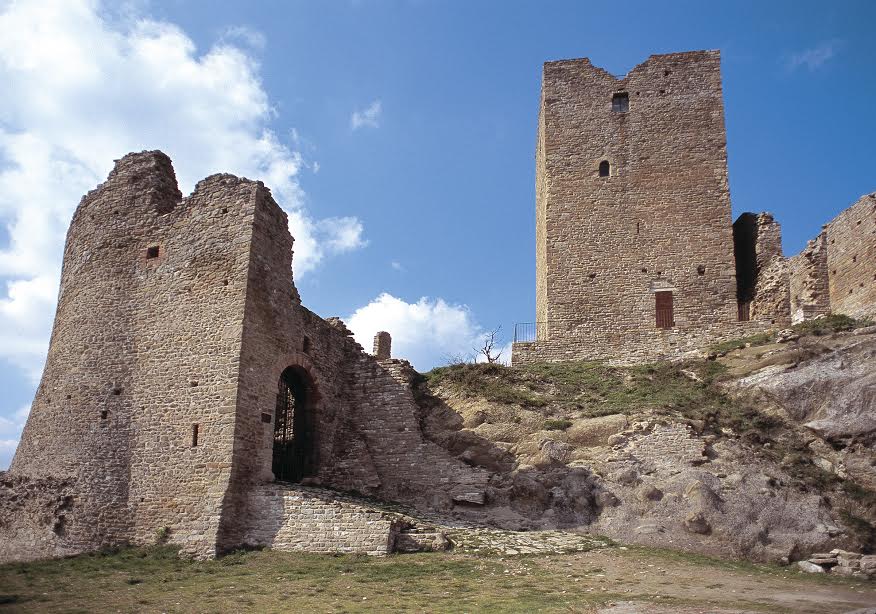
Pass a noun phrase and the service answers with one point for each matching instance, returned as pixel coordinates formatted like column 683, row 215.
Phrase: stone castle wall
column 366, row 431
column 851, row 259
column 836, row 271
column 660, row 220
column 156, row 408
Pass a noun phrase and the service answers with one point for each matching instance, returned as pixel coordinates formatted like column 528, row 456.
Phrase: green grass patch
column 587, row 388
column 738, row 344
column 834, row 323
column 557, row 424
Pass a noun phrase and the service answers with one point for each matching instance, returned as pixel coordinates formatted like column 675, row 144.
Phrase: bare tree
column 457, row 359
column 488, row 347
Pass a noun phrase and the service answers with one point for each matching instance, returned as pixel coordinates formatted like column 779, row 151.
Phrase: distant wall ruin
column 761, row 270
column 836, row 272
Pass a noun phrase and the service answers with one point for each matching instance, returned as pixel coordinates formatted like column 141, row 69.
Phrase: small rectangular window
column 194, row 435
column 152, row 252
column 620, row 103
column 663, row 304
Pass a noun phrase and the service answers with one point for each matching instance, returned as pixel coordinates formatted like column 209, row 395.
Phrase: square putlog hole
column 152, row 252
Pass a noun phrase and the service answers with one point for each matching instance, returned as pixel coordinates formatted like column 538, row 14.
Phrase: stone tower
column 634, row 242
column 188, row 394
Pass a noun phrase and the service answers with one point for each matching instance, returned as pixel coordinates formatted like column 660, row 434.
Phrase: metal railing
column 529, row 332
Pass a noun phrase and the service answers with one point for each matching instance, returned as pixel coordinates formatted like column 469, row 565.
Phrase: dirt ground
column 642, row 579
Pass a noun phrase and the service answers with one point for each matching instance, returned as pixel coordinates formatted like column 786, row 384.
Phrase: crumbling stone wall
column 851, row 259
column 761, row 269
column 836, row 271
column 658, row 221
column 176, row 318
column 382, row 345
column 40, row 518
column 810, row 295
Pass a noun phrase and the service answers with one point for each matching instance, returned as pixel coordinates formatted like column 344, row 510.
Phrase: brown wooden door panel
column 664, row 310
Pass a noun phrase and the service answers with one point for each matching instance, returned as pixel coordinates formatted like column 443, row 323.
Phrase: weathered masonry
column 636, row 257
column 184, row 376
column 836, row 272
column 634, row 240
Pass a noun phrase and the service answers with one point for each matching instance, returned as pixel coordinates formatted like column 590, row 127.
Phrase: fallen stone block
column 810, row 567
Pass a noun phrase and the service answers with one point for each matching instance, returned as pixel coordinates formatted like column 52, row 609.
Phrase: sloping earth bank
column 761, row 450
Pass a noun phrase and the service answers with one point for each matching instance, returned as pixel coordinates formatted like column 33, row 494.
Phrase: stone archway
column 294, row 442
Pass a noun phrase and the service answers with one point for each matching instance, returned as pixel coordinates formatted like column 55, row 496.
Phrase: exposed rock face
column 834, row 394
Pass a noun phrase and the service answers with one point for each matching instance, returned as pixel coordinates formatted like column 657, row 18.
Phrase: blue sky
column 399, row 136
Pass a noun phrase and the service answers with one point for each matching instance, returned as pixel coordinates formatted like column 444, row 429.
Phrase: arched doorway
column 294, row 438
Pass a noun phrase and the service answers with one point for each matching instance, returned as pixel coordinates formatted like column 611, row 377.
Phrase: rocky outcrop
column 834, row 394
column 785, row 476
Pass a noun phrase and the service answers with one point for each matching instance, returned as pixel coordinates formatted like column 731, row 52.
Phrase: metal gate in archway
column 294, row 447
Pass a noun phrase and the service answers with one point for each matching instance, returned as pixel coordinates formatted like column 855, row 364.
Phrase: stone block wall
column 145, row 346
column 382, row 345
column 293, row 518
column 366, row 433
column 658, row 221
column 836, row 271
column 851, row 259
column 40, row 518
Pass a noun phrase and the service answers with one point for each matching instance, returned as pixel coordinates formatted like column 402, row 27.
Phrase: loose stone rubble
column 841, row 563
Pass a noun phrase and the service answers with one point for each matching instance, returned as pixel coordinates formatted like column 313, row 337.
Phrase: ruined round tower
column 143, row 356
column 187, row 390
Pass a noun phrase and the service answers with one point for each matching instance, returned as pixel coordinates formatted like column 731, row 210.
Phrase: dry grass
column 155, row 580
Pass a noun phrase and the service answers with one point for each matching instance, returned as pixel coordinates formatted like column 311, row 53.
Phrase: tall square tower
column 634, row 241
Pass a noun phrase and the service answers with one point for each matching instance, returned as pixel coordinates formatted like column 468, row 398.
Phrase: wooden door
column 665, row 317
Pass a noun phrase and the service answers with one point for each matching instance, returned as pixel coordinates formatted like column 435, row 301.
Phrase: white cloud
column 815, row 57
column 426, row 333
column 367, row 118
column 246, row 35
column 10, row 432
column 80, row 90
column 396, row 265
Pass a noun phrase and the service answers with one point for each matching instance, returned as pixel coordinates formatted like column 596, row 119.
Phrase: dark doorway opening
column 294, row 440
